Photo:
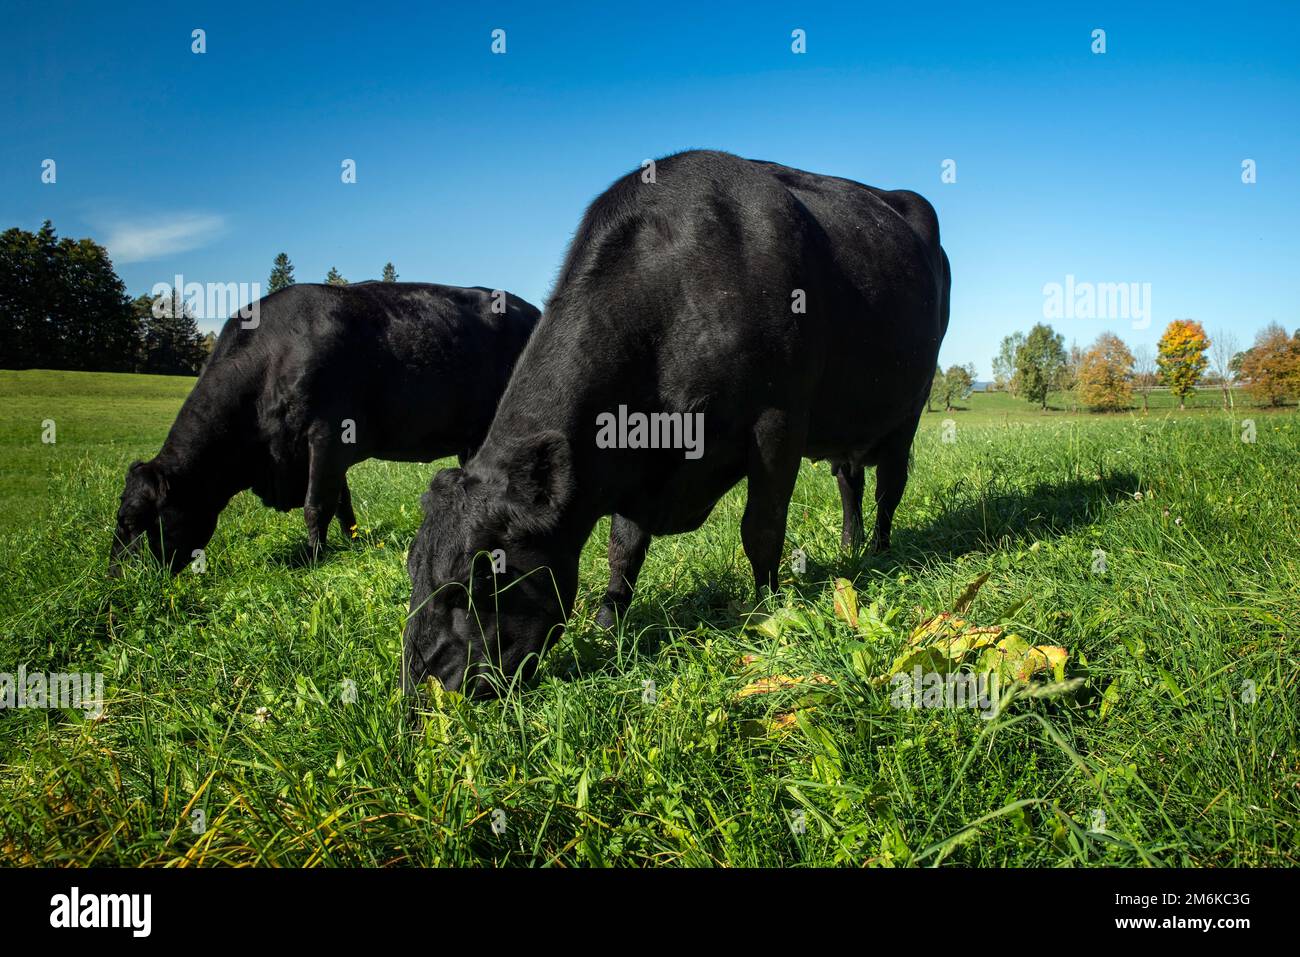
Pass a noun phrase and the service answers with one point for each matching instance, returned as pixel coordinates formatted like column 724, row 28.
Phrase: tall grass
column 226, row 690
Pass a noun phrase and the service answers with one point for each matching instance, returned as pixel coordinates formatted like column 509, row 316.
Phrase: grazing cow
column 329, row 376
column 749, row 314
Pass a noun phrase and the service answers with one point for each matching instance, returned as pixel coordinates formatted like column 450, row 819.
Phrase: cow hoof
column 606, row 618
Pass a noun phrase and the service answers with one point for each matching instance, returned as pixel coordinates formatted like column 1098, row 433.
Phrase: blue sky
column 474, row 168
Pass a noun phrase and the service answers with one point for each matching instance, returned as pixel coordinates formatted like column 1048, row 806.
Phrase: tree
column 281, row 274
column 1039, row 362
column 1235, row 365
column 1144, row 372
column 936, row 389
column 170, row 342
column 335, row 278
column 1067, row 379
column 390, row 274
column 1271, row 367
column 1222, row 350
column 1004, row 363
column 62, row 304
column 957, row 382
column 1181, row 357
column 1106, row 374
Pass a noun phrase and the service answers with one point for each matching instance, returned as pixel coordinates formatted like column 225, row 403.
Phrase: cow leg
column 628, row 544
column 325, row 478
column 773, row 467
column 850, row 479
column 347, row 517
column 891, row 479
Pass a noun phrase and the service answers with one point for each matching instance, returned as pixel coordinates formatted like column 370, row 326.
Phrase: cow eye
column 453, row 595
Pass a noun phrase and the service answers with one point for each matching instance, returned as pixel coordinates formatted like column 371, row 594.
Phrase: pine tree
column 390, row 274
column 281, row 274
column 171, row 343
column 335, row 278
column 62, row 304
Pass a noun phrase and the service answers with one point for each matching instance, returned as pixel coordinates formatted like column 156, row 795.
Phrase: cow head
column 492, row 580
column 165, row 518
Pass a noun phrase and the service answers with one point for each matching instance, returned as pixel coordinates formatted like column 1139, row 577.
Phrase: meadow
column 252, row 714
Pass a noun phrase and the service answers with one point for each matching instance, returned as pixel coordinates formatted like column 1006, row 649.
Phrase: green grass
column 1201, row 594
column 97, row 416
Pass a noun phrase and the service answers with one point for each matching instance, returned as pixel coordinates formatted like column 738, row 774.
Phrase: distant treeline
column 62, row 306
column 1106, row 375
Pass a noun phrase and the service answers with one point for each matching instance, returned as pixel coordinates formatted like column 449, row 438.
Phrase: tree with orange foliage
column 1181, row 357
column 1271, row 367
column 1106, row 374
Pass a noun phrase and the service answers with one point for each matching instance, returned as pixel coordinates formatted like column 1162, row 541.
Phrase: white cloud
column 161, row 235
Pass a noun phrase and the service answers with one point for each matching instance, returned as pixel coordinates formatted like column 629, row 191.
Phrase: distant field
column 1178, row 741
column 106, row 417
column 99, row 417
column 983, row 408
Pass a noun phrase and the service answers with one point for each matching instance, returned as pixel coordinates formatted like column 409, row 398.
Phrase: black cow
column 327, row 377
column 800, row 315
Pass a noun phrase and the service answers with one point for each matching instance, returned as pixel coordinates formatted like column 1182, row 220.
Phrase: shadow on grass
column 979, row 520
column 986, row 521
column 298, row 554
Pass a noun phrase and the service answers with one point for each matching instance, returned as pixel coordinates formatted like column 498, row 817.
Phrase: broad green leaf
column 1109, row 698
column 1168, row 680
column 1013, row 659
column 780, row 621
column 846, row 602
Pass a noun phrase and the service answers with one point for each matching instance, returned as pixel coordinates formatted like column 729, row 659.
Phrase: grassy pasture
column 225, row 691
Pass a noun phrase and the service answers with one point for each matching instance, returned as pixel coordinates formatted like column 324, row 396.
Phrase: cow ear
column 445, row 481
column 540, row 480
column 447, row 478
column 152, row 476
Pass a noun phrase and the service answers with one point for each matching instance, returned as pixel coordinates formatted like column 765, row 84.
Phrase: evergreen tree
column 171, row 343
column 335, row 278
column 63, row 305
column 390, row 274
column 281, row 274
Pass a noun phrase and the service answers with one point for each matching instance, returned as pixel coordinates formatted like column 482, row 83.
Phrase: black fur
column 417, row 367
column 676, row 296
